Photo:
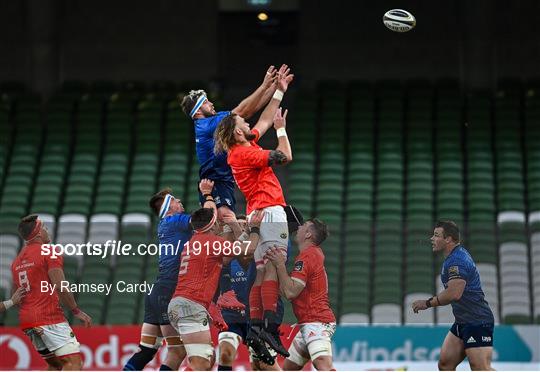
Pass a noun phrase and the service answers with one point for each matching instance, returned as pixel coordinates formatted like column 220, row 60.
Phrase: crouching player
column 198, row 279
column 307, row 288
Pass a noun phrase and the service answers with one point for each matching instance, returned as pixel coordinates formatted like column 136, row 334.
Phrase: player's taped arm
column 267, row 117
column 288, row 287
column 56, row 275
column 282, row 154
column 452, row 293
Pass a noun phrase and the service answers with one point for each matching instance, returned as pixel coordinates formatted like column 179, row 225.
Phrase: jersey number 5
column 23, row 280
column 184, row 265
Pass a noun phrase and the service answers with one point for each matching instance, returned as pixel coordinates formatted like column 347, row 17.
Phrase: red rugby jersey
column 200, row 269
column 312, row 304
column 254, row 177
column 29, row 270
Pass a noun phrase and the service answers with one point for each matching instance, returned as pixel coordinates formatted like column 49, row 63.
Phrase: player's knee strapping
column 319, row 348
column 230, row 337
column 173, row 341
column 205, row 351
column 71, row 348
column 151, row 341
column 296, row 357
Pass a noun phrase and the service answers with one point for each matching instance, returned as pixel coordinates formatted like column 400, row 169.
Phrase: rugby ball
column 399, row 20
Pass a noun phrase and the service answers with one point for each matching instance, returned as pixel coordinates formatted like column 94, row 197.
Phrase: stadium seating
column 378, row 162
column 481, row 232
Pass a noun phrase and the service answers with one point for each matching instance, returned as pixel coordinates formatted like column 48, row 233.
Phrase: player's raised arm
column 56, row 275
column 267, row 117
column 206, row 187
column 283, row 153
column 256, row 100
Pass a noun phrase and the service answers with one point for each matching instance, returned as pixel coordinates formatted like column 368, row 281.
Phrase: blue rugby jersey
column 472, row 308
column 175, row 230
column 212, row 166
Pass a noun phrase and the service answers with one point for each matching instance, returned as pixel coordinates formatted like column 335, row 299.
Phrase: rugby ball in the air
column 399, row 20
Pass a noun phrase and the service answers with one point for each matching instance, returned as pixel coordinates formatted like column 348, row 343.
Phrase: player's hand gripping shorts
column 54, row 340
column 312, row 341
column 274, row 231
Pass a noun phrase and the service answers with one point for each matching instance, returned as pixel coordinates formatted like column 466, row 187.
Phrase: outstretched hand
column 270, row 77
column 284, row 78
column 206, row 186
column 280, row 121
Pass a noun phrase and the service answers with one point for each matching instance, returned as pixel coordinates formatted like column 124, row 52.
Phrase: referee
column 471, row 335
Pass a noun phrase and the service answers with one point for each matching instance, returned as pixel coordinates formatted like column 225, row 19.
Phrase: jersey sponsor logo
column 19, row 347
column 453, row 271
column 471, row 340
column 486, row 339
column 240, row 273
column 298, row 265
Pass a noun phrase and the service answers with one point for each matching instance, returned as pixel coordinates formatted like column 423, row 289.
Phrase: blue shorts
column 156, row 303
column 223, row 194
column 241, row 329
column 474, row 335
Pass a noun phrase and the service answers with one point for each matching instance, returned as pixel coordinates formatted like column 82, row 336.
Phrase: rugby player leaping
column 252, row 169
column 213, row 166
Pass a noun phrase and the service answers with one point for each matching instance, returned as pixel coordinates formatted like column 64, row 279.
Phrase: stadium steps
column 357, row 254
column 387, row 273
column 481, row 234
column 418, row 201
column 511, row 216
column 532, row 159
column 330, row 180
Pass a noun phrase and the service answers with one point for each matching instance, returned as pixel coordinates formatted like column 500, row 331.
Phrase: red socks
column 255, row 303
column 270, row 295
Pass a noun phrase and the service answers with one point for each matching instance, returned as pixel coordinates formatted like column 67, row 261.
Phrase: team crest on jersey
column 453, row 271
column 205, row 322
column 298, row 265
column 283, row 235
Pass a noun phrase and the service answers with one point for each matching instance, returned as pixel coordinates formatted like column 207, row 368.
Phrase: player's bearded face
column 244, row 128
column 208, row 109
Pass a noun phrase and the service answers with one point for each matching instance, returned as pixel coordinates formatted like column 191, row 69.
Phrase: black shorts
column 241, row 329
column 156, row 303
column 474, row 335
column 223, row 194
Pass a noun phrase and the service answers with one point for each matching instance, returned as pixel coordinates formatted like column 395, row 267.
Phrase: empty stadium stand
column 378, row 162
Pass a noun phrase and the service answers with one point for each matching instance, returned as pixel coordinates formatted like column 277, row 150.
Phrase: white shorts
column 188, row 316
column 54, row 340
column 313, row 340
column 274, row 231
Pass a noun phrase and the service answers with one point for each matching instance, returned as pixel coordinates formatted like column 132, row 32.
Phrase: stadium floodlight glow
column 262, row 17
